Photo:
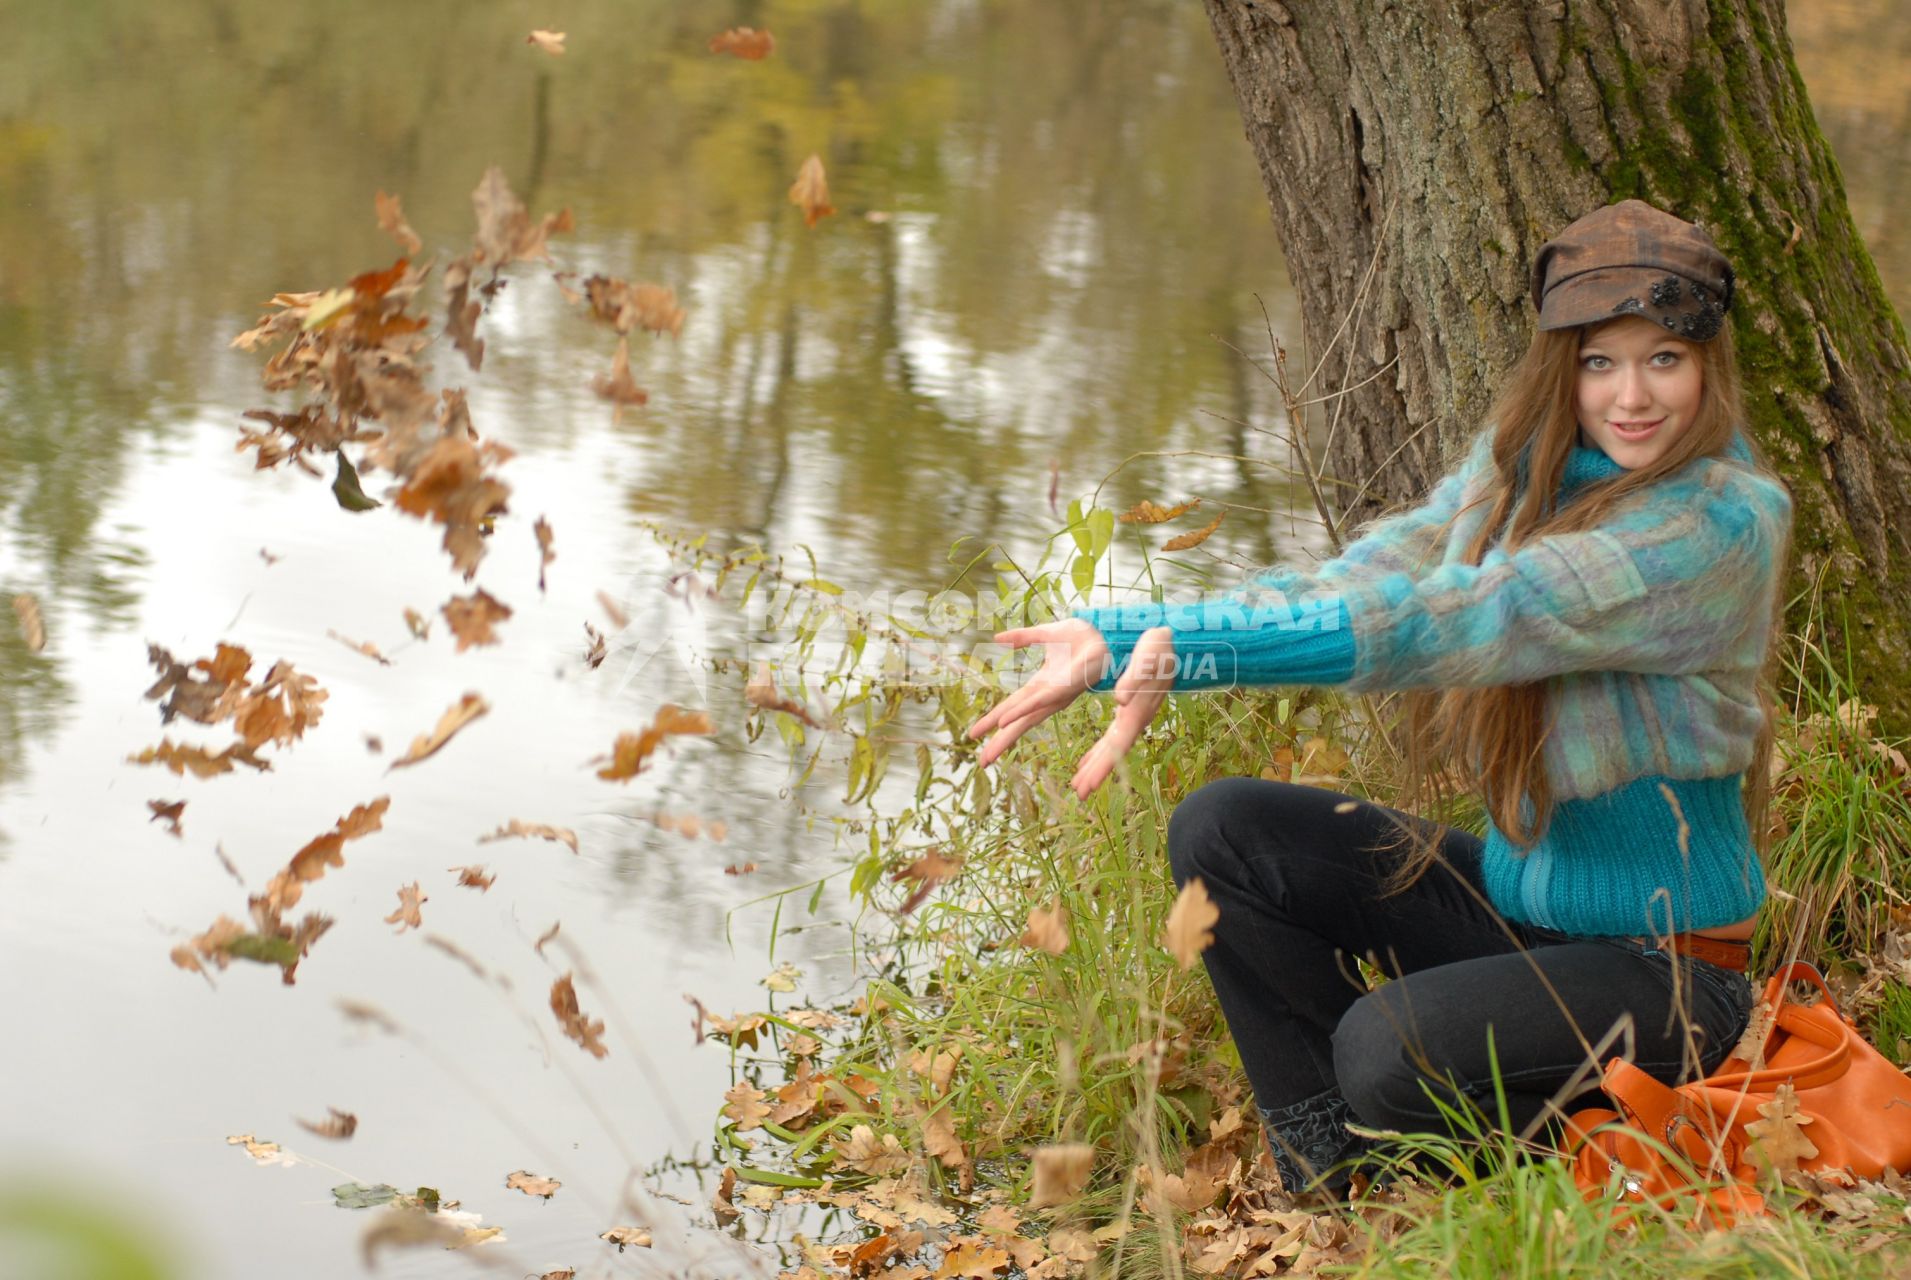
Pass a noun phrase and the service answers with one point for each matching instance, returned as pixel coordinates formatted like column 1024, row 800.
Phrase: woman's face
column 1638, row 388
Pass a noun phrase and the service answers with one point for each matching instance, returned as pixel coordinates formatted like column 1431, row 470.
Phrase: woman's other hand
column 1073, row 662
column 1143, row 687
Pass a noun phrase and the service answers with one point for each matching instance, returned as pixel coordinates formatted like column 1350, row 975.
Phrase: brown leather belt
column 1723, row 952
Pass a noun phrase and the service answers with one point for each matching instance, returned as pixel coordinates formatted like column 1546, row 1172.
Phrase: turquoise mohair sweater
column 1649, row 629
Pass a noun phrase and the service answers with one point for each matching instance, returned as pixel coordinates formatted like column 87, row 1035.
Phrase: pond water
column 1049, row 231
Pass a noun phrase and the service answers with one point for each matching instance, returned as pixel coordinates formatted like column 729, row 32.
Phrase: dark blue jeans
column 1298, row 875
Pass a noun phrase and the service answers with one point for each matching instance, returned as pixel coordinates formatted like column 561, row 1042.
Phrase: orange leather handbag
column 1710, row 1142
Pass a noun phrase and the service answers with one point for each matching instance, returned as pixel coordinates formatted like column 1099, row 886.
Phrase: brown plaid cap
column 1632, row 259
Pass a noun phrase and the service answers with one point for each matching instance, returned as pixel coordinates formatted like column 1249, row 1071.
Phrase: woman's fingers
column 1006, row 736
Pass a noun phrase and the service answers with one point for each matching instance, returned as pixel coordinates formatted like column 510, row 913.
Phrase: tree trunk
column 1440, row 142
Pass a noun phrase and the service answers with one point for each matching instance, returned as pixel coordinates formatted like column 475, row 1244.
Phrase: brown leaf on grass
column 410, row 898
column 594, row 652
column 864, row 1152
column 928, row 871
column 391, row 220
column 472, row 617
column 588, row 1032
column 180, row 757
column 505, row 231
column 456, row 717
column 552, row 42
column 167, row 811
column 1145, row 512
column 939, row 1138
column 32, row 629
column 630, row 751
column 474, row 878
column 803, row 1045
column 633, row 1237
column 720, row 1202
column 743, row 1103
column 417, row 624
column 618, row 386
column 1778, row 1139
column 338, row 1126
column 810, row 191
column 1047, row 929
column 1190, row 926
column 452, row 483
column 740, row 869
column 625, row 306
column 1196, row 538
column 365, row 647
column 545, row 538
column 973, row 1259
column 762, row 692
column 531, row 1184
column 517, row 828
column 744, row 42
column 1061, row 1171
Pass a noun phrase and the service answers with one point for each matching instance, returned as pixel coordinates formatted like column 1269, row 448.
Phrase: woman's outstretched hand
column 1073, row 662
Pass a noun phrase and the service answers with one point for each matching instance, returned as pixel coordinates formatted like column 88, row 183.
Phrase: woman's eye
column 1666, row 358
column 1596, row 362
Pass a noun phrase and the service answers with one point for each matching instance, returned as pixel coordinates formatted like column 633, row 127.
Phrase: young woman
column 1582, row 614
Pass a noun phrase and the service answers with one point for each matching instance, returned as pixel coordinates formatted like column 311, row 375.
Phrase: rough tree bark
column 1442, row 141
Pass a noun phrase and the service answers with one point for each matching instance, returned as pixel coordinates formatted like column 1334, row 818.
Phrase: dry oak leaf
column 625, row 306
column 720, row 1202
column 167, row 811
column 471, row 618
column 474, row 878
column 1047, row 929
column 552, row 42
column 762, row 692
column 462, row 310
column 1196, row 538
column 939, row 1138
column 391, row 220
column 410, row 898
column 32, row 629
column 456, row 717
column 505, row 230
column 364, row 647
column 810, row 191
column 451, row 483
column 1145, row 512
column 588, row 1032
column 612, row 610
column 180, row 757
column 339, row 1125
column 618, row 386
column 630, row 750
column 517, row 827
column 1061, row 1171
column 1778, row 1139
column 634, row 1237
column 928, row 871
column 531, row 1184
column 417, row 624
column 743, row 1103
column 284, row 890
column 973, row 1259
column 545, row 538
column 1190, row 926
column 595, row 652
column 864, row 1152
column 744, row 42
column 740, row 869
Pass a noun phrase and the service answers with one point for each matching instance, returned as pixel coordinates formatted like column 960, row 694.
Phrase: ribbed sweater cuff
column 1230, row 642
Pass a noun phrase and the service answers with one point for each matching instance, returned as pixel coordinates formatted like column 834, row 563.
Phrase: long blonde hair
column 1492, row 739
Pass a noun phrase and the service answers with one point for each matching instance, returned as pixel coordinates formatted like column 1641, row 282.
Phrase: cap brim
column 1611, row 293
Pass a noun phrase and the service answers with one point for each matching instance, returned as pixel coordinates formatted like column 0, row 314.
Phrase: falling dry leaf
column 618, row 386
column 472, row 617
column 1047, row 929
column 284, row 890
column 552, row 42
column 1195, row 539
column 268, row 557
column 743, row 869
column 743, row 42
column 410, row 898
column 612, row 610
column 1778, row 1140
column 588, row 1032
column 167, row 811
column 625, row 306
column 762, row 692
column 630, row 750
column 546, row 936
column 928, row 871
column 453, row 482
column 339, row 1125
column 365, row 647
column 743, row 1103
column 180, row 757
column 1190, row 925
column 391, row 220
column 634, row 1237
column 594, row 652
column 1061, row 1171
column 531, row 1184
column 32, row 630
column 810, row 191
column 424, row 746
column 542, row 529
column 417, row 624
column 474, row 878
column 518, row 828
column 864, row 1152
column 261, row 1151
column 1146, row 512
column 505, row 230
